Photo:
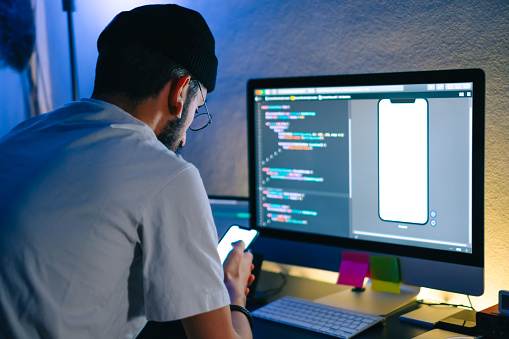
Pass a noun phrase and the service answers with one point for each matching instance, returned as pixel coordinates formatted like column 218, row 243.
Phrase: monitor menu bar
column 465, row 86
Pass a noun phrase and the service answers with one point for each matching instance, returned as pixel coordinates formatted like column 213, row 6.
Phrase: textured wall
column 268, row 38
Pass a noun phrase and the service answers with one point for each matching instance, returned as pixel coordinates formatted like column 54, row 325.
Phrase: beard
column 171, row 134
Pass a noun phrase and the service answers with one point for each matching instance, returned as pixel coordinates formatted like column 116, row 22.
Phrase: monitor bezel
column 476, row 76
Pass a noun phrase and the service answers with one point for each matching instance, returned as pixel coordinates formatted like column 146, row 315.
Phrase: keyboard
column 333, row 321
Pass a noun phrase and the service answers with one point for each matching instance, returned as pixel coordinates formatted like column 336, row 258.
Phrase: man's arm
column 220, row 324
column 223, row 323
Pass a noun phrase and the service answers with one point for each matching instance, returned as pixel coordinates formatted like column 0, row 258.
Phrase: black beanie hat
column 177, row 32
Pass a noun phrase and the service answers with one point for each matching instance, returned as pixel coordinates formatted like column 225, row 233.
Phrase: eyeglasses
column 202, row 117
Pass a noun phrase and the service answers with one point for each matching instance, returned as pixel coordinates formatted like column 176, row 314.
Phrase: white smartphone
column 234, row 234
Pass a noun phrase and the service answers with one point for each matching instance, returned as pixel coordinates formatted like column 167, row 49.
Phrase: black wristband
column 245, row 311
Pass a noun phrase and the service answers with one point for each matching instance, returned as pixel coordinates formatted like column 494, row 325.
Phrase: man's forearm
column 241, row 325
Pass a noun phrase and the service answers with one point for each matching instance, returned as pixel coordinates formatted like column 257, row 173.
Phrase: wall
column 268, row 38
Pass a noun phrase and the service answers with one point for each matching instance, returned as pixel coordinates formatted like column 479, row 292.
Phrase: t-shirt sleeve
column 182, row 273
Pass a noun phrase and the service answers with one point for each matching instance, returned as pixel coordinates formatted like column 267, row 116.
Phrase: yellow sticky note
column 384, row 274
column 385, row 286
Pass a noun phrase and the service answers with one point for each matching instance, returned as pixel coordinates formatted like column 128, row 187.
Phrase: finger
column 239, row 246
column 249, row 256
column 250, row 279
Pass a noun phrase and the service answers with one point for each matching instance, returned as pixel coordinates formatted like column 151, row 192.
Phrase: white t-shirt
column 101, row 228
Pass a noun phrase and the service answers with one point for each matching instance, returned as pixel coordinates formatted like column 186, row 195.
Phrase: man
column 102, row 225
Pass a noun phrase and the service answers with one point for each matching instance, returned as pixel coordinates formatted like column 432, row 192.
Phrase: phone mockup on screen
column 403, row 160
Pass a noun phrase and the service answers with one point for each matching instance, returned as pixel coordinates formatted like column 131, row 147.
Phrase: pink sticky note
column 353, row 269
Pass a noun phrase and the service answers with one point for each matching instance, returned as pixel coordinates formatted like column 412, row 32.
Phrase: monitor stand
column 371, row 302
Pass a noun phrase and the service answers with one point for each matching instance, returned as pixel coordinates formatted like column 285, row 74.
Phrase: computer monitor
column 388, row 163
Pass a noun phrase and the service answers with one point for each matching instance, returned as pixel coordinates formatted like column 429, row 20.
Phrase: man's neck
column 147, row 111
column 118, row 100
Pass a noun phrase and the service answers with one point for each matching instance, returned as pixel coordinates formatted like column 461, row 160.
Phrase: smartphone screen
column 234, row 234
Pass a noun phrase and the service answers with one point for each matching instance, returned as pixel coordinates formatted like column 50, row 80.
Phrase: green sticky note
column 384, row 274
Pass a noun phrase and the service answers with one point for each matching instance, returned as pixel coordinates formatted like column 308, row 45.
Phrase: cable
column 260, row 297
column 422, row 302
column 470, row 301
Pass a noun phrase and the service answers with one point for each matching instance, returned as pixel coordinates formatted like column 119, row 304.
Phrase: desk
column 312, row 289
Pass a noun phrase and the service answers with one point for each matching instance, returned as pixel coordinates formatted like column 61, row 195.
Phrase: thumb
column 239, row 245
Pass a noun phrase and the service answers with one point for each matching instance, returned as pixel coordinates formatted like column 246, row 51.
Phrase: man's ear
column 178, row 94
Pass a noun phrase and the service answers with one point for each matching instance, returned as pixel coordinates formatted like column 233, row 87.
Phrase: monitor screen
column 389, row 163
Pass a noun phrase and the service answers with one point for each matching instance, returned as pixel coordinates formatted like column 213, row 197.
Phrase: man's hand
column 237, row 273
column 222, row 323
